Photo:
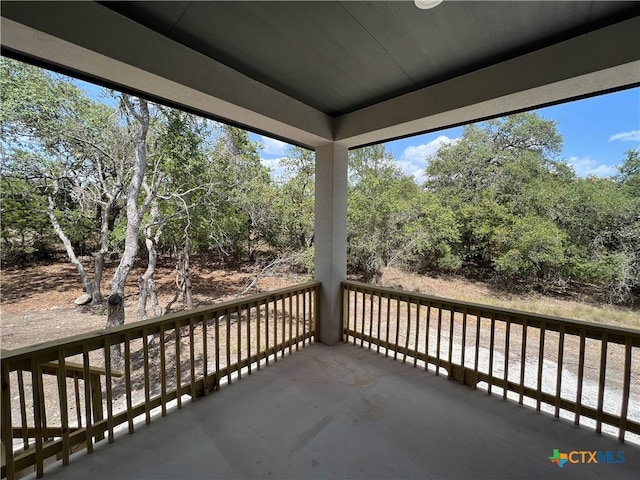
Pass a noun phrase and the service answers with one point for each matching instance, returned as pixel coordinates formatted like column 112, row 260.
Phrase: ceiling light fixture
column 427, row 4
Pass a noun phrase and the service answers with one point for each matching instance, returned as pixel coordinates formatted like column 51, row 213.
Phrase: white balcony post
column 330, row 237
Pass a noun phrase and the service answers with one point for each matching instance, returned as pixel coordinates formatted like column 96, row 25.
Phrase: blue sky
column 596, row 131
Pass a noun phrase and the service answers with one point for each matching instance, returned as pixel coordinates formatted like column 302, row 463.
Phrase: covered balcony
column 331, row 378
column 420, row 387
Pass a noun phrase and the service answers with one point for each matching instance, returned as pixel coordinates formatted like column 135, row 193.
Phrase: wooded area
column 130, row 181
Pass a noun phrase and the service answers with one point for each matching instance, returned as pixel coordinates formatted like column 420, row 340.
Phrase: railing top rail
column 616, row 334
column 44, row 350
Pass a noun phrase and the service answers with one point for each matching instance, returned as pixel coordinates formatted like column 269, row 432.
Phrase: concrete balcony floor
column 347, row 412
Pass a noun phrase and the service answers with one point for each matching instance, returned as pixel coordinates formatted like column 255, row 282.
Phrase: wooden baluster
column 178, row 361
column 266, row 329
column 379, row 323
column 580, row 379
column 96, row 401
column 258, row 333
column 426, row 336
column 559, row 371
column 626, row 385
column 363, row 313
column 476, row 359
column 371, row 295
column 298, row 322
column 290, row 323
column 109, row 388
column 451, row 332
column 23, row 410
column 147, row 377
column 239, row 341
column 248, row 309
column 540, row 366
column 127, row 378
column 38, row 415
column 492, row 340
column 43, row 405
column 313, row 313
column 216, row 324
column 163, row 371
column 192, row 360
column 354, row 316
column 205, row 354
column 64, row 414
column 7, row 425
column 228, row 337
column 417, row 336
column 464, row 344
column 76, row 391
column 305, row 316
column 314, row 316
column 6, row 428
column 438, row 340
column 92, row 399
column 523, row 360
column 507, row 341
column 275, row 330
column 284, row 327
column 601, row 382
column 396, row 340
column 386, row 349
column 408, row 331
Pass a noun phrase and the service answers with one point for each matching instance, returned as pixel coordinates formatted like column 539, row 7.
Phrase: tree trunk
column 186, row 273
column 96, row 295
column 115, row 317
column 134, row 210
column 104, row 248
column 147, row 285
column 88, row 284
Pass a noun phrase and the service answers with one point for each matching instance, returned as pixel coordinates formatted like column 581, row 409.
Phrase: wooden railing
column 144, row 367
column 587, row 372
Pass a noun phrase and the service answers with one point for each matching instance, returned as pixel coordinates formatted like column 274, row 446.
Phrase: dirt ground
column 37, row 306
column 37, row 301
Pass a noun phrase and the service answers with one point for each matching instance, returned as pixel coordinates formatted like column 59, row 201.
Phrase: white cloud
column 632, row 136
column 414, row 158
column 410, row 169
column 273, row 146
column 273, row 164
column 421, row 152
column 586, row 166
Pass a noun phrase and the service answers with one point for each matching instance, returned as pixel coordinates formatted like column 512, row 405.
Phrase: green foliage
column 431, row 237
column 391, row 221
column 602, row 220
column 629, row 175
column 60, row 144
column 525, row 218
column 503, row 155
column 294, row 201
column 532, row 251
column 497, row 201
column 243, row 193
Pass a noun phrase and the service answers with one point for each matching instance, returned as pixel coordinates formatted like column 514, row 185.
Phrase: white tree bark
column 86, row 281
column 134, row 209
column 147, row 285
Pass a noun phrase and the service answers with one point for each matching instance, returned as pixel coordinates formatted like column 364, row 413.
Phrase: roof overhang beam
column 95, row 42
